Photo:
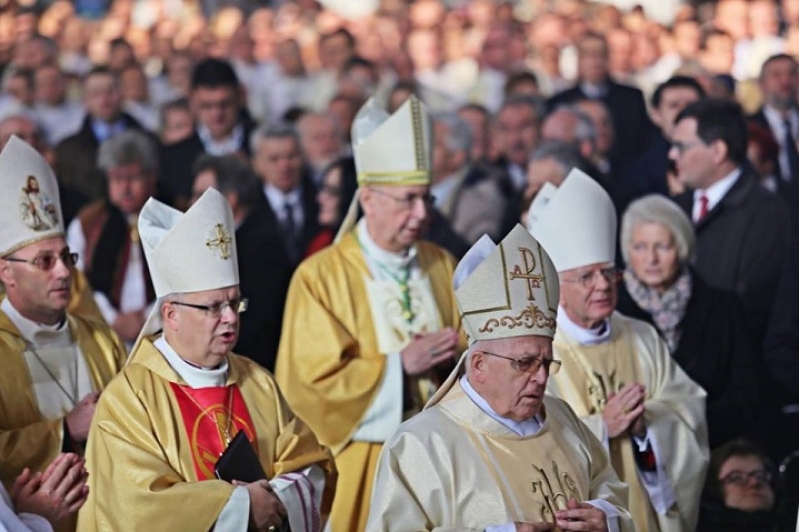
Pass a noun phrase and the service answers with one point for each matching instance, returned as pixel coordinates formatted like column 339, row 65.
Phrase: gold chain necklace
column 226, row 430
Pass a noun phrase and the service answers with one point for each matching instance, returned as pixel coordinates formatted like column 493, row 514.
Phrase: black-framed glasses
column 682, row 147
column 741, row 478
column 215, row 310
column 408, row 201
column 530, row 364
column 589, row 280
column 47, row 261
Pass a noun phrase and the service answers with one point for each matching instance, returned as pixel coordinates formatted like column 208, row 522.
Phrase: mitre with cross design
column 508, row 289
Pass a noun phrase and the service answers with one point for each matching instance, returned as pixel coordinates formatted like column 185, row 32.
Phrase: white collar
column 598, row 335
column 230, row 144
column 715, row 192
column 528, row 427
column 38, row 333
column 195, row 377
column 390, row 259
column 278, row 199
column 776, row 119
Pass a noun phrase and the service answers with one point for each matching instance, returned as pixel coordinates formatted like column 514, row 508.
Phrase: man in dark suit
column 742, row 229
column 76, row 156
column 779, row 83
column 627, row 107
column 223, row 127
column 264, row 269
column 290, row 204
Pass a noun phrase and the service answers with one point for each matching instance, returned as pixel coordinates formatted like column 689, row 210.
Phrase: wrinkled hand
column 128, row 325
column 427, row 350
column 624, row 408
column 55, row 494
column 533, row 527
column 581, row 516
column 79, row 419
column 265, row 508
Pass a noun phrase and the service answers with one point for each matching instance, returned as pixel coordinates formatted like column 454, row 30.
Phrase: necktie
column 791, row 151
column 703, row 201
column 290, row 231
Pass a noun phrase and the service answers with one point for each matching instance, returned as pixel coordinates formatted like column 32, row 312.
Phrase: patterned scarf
column 667, row 309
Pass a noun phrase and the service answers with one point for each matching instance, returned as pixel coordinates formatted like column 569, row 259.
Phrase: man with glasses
column 492, row 452
column 55, row 364
column 370, row 327
column 616, row 372
column 184, row 396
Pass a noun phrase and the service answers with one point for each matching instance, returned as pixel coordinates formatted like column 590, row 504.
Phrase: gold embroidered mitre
column 507, row 290
column 29, row 204
column 575, row 222
column 392, row 149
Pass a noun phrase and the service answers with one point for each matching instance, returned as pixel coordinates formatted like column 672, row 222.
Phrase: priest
column 183, row 396
column 492, row 452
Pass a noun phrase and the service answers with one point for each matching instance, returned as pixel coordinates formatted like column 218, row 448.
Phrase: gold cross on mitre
column 533, row 280
column 220, row 240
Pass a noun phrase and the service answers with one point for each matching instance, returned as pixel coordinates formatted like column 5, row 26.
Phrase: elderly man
column 617, row 373
column 531, row 464
column 382, row 314
column 54, row 363
column 183, row 397
column 106, row 238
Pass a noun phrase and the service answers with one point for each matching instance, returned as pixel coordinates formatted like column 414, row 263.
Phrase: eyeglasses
column 408, row 201
column 215, row 310
column 531, row 364
column 589, row 280
column 330, row 190
column 47, row 261
column 682, row 147
column 741, row 478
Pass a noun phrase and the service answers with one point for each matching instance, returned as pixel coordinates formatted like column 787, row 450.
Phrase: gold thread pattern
column 418, row 136
column 220, row 241
column 530, row 318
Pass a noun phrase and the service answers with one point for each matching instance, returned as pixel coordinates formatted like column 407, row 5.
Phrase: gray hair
column 585, row 129
column 459, row 134
column 280, row 130
column 658, row 209
column 232, row 175
column 565, row 154
column 129, row 147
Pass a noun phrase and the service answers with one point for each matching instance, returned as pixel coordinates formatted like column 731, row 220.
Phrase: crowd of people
column 291, row 182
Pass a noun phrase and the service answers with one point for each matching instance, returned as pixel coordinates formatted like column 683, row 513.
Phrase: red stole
column 205, row 419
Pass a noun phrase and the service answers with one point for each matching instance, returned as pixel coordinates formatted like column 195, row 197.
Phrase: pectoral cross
column 220, row 240
column 533, row 280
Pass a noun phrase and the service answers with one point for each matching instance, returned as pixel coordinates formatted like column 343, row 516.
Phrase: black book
column 239, row 461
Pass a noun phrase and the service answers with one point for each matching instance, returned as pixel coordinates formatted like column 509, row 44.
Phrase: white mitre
column 575, row 222
column 188, row 252
column 504, row 291
column 29, row 204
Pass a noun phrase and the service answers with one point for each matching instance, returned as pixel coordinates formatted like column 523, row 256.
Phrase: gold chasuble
column 27, row 439
column 453, row 467
column 675, row 414
column 152, row 444
column 332, row 356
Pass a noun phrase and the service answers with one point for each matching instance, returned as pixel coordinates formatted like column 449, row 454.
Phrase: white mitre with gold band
column 504, row 290
column 188, row 252
column 575, row 222
column 29, row 204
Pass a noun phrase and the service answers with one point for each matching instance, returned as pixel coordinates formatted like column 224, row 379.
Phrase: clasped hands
column 266, row 511
column 578, row 516
column 625, row 411
column 429, row 349
column 55, row 493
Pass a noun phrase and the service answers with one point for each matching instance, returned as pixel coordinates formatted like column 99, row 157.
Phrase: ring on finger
column 433, row 353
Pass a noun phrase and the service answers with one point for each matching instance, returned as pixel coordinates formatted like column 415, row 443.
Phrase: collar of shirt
column 598, row 335
column 394, row 262
column 38, row 333
column 194, row 376
column 528, row 427
column 226, row 146
column 518, row 176
column 715, row 192
column 278, row 200
column 776, row 120
column 594, row 90
column 105, row 130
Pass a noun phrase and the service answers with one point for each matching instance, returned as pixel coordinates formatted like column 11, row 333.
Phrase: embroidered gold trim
column 530, row 318
column 220, row 241
column 418, row 135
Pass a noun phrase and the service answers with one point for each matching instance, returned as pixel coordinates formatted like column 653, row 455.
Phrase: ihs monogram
column 555, row 493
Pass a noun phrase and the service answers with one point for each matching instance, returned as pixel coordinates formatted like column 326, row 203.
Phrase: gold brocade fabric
column 453, row 467
column 81, row 300
column 675, row 413
column 141, row 471
column 330, row 365
column 26, row 438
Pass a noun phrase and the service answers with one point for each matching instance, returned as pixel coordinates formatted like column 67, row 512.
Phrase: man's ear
column 477, row 366
column 169, row 316
column 6, row 273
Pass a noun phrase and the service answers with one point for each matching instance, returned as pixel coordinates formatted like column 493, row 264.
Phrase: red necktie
column 703, row 201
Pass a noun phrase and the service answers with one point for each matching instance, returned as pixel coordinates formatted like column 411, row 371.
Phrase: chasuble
column 334, row 364
column 453, row 467
column 154, row 442
column 674, row 414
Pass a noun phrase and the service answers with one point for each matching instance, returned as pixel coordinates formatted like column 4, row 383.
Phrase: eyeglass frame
column 546, row 363
column 69, row 258
column 407, row 204
column 611, row 274
column 761, row 475
column 211, row 310
column 682, row 147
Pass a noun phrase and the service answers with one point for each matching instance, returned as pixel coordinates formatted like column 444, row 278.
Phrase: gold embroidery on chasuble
column 555, row 488
column 207, row 419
